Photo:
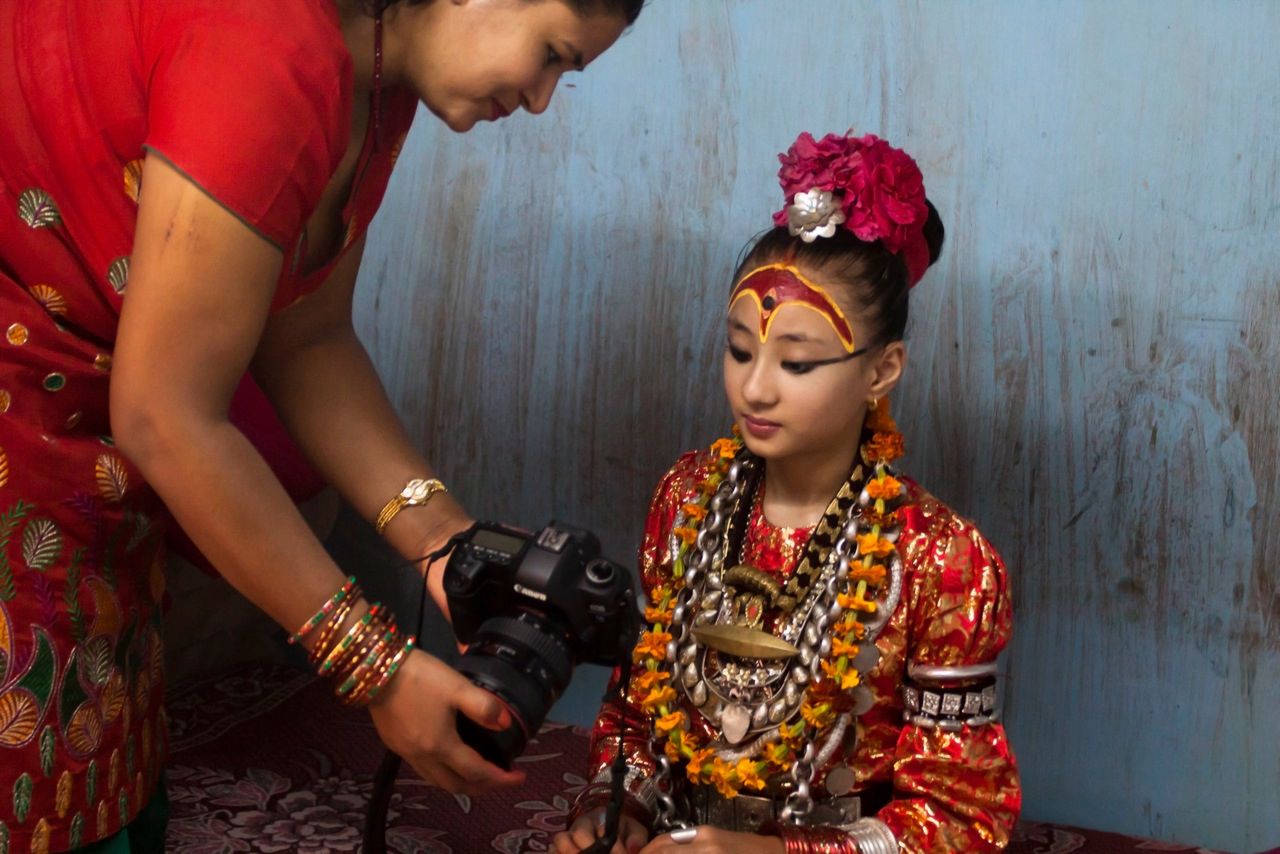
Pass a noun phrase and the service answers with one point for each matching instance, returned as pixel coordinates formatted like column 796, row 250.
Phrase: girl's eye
column 738, row 355
column 553, row 58
column 797, row 367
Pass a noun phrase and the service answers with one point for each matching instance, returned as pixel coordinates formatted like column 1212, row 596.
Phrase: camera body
column 530, row 608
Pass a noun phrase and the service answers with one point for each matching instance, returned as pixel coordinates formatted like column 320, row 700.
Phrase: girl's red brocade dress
column 945, row 791
column 251, row 101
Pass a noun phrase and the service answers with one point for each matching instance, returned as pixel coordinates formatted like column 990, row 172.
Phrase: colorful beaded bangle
column 357, row 629
column 385, row 678
column 362, row 658
column 331, row 630
column 367, row 637
column 367, row 660
column 374, row 644
column 360, row 693
column 343, row 592
column 367, row 671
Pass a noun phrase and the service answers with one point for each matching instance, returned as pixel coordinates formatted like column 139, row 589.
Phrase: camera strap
column 384, row 781
column 617, row 792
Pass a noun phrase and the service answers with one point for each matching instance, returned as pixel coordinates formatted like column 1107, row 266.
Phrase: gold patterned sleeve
column 956, row 787
column 626, row 715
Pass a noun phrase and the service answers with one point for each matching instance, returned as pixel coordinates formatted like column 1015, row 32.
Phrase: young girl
column 818, row 669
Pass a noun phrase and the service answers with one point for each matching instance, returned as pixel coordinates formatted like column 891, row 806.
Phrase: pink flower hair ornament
column 864, row 184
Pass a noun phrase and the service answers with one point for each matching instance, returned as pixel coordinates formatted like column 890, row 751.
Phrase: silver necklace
column 757, row 708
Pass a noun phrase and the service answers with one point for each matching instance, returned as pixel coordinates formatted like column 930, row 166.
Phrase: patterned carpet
column 264, row 760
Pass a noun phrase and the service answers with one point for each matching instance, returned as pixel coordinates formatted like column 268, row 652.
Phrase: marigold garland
column 824, row 699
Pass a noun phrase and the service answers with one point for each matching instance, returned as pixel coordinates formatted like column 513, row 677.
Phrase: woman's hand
column 417, row 719
column 632, row 835
column 455, row 522
column 433, row 571
column 710, row 839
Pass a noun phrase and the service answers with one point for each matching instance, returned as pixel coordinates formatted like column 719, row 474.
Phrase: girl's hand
column 589, row 827
column 417, row 719
column 712, row 839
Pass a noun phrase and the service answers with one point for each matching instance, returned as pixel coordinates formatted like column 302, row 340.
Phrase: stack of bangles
column 815, row 840
column 361, row 660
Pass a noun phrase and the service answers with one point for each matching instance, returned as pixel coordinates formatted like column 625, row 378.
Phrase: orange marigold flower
column 874, row 544
column 686, row 534
column 657, row 615
column 672, row 749
column 694, row 511
column 668, row 722
column 699, row 764
column 725, row 449
column 854, row 602
column 658, row 697
column 883, row 447
column 884, row 520
column 819, row 716
column 886, row 487
column 842, row 647
column 848, row 627
column 846, row 680
column 725, row 778
column 652, row 645
column 880, row 420
column 830, row 693
column 781, row 755
column 648, row 680
column 873, row 574
column 749, row 774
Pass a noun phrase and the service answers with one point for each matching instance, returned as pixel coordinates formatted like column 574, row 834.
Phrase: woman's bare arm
column 199, row 292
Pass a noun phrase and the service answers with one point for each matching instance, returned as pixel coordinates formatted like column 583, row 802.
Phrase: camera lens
column 600, row 572
column 526, row 663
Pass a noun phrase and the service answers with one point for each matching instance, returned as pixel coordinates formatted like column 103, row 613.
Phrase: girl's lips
column 759, row 427
column 499, row 111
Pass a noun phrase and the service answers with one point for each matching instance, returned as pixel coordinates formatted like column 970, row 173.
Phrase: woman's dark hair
column 628, row 9
column 875, row 277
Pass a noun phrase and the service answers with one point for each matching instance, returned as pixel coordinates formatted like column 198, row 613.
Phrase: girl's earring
column 873, row 403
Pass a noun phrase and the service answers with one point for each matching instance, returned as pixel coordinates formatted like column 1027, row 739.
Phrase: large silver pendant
column 735, row 720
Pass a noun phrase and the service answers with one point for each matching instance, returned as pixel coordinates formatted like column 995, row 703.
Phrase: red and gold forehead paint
column 774, row 285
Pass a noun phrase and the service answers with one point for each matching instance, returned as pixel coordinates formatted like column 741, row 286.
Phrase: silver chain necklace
column 699, row 602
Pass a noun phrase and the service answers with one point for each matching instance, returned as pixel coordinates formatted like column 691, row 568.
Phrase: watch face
column 417, row 490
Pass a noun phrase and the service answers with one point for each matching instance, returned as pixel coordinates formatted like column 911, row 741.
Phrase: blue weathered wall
column 1095, row 363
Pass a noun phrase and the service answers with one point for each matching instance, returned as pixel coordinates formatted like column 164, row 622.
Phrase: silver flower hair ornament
column 814, row 214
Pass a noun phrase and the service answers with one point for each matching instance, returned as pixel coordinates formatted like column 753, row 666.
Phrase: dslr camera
column 531, row 607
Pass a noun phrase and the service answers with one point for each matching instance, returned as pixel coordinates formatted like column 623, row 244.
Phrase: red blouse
column 252, row 101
